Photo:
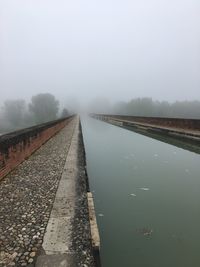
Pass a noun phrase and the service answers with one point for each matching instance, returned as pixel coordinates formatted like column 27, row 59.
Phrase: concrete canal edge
column 94, row 231
column 186, row 129
column 72, row 237
column 95, row 238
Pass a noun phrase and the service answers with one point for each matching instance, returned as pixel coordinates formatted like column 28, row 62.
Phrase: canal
column 147, row 198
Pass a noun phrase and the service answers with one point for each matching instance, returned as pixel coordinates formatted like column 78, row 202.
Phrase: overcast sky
column 120, row 49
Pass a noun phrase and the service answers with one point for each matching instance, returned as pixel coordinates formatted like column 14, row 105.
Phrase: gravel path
column 26, row 199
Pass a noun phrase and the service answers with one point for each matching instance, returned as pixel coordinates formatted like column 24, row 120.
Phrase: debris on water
column 100, row 215
column 186, row 170
column 156, row 155
column 144, row 188
column 174, row 152
column 145, row 231
column 133, row 195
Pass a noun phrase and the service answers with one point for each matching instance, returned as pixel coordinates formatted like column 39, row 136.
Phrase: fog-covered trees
column 100, row 105
column 64, row 113
column 14, row 112
column 44, row 107
column 148, row 107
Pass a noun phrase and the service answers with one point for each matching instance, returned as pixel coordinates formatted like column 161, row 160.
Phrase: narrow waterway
column 147, row 198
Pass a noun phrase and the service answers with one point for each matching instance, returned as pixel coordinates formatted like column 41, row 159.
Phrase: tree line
column 148, row 107
column 16, row 114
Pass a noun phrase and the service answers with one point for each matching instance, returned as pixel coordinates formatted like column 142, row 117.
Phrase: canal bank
column 47, row 218
column 67, row 239
column 187, row 130
column 146, row 195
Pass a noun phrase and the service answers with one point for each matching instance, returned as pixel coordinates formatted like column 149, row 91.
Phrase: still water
column 147, row 198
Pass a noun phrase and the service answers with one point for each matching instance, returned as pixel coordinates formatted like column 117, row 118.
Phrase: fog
column 86, row 49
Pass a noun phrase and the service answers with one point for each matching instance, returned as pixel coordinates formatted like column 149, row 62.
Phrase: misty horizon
column 112, row 49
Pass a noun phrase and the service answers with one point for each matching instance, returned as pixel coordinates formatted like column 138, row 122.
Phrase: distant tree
column 44, row 107
column 29, row 119
column 14, row 111
column 120, row 108
column 64, row 113
column 140, row 107
column 162, row 109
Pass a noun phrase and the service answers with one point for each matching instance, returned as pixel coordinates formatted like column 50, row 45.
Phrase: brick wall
column 17, row 146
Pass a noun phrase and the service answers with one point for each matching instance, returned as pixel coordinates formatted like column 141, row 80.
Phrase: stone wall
column 15, row 147
column 187, row 124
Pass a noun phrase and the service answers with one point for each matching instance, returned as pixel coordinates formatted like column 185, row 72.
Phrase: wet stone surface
column 26, row 199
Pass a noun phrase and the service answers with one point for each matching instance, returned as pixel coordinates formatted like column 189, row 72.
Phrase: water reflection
column 147, row 196
column 190, row 145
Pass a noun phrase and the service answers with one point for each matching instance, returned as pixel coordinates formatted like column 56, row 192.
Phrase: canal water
column 147, row 198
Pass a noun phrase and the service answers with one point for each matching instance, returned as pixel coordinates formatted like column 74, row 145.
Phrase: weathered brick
column 16, row 147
